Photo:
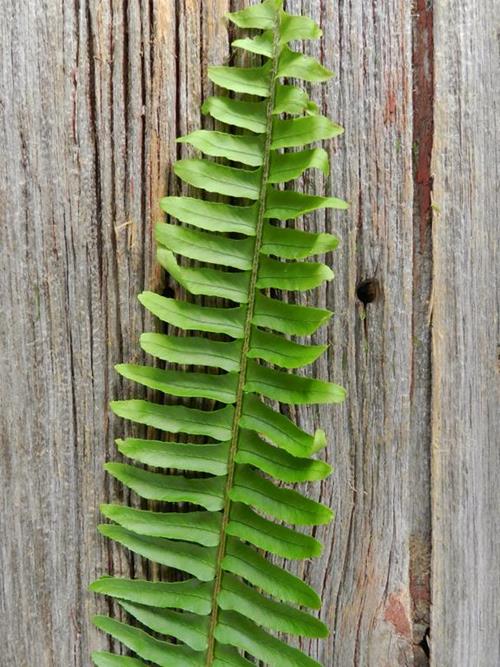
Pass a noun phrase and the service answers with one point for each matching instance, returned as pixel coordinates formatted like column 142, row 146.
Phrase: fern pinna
column 225, row 613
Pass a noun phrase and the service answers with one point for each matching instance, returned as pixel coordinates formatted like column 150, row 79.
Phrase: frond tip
column 232, row 599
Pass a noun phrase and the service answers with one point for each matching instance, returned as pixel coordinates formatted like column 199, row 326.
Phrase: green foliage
column 224, row 613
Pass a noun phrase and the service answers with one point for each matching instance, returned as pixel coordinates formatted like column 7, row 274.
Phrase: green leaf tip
column 220, row 450
column 261, row 16
column 319, row 441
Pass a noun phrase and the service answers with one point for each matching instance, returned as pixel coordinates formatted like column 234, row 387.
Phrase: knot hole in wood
column 368, row 290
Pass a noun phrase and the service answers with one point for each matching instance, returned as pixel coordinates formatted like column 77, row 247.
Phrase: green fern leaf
column 103, row 659
column 231, row 599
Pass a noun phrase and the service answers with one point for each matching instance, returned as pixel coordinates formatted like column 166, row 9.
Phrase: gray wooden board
column 465, row 407
column 92, row 96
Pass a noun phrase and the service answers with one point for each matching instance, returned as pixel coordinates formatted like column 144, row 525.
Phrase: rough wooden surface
column 465, row 442
column 92, row 95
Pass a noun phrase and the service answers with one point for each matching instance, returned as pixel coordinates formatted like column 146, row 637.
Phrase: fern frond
column 234, row 599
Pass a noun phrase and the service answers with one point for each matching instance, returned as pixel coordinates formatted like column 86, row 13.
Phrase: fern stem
column 245, row 346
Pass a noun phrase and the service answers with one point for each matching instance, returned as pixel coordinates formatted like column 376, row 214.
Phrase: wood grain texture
column 364, row 571
column 92, row 96
column 465, row 442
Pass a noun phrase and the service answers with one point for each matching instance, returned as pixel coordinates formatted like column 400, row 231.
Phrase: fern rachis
column 236, row 598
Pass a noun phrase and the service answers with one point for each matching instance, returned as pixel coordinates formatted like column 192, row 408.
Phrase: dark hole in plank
column 425, row 643
column 368, row 290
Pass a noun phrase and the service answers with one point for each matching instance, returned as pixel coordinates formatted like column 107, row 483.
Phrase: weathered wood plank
column 83, row 183
column 465, row 451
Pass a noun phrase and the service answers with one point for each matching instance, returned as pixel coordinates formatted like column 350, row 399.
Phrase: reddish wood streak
column 390, row 107
column 396, row 613
column 423, row 111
